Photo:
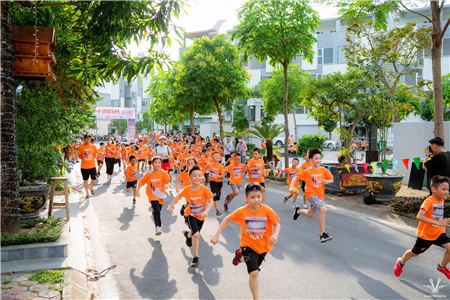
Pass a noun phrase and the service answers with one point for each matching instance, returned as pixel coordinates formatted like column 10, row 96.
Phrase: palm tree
column 267, row 132
column 245, row 133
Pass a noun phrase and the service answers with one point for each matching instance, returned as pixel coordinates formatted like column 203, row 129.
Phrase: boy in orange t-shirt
column 203, row 162
column 184, row 176
column 156, row 180
column 216, row 174
column 256, row 170
column 315, row 177
column 291, row 173
column 132, row 176
column 257, row 233
column 100, row 157
column 431, row 229
column 199, row 203
column 236, row 170
column 306, row 165
column 124, row 155
column 142, row 153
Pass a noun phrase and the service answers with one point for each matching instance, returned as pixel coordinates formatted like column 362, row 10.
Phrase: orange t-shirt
column 306, row 165
column 236, row 171
column 256, row 175
column 434, row 210
column 87, row 155
column 291, row 142
column 112, row 148
column 263, row 145
column 149, row 155
column 124, row 153
column 291, row 173
column 183, row 158
column 101, row 154
column 197, row 201
column 129, row 153
column 256, row 227
column 214, row 170
column 203, row 161
column 132, row 171
column 196, row 151
column 184, row 176
column 118, row 152
column 177, row 150
column 313, row 179
column 157, row 139
column 155, row 181
column 142, row 151
column 363, row 144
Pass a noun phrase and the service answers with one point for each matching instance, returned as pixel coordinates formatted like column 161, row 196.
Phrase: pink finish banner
column 110, row 113
column 131, row 129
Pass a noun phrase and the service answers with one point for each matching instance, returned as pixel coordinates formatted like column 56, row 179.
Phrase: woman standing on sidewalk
column 241, row 147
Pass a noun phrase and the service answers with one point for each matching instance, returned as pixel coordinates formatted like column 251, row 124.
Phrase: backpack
column 369, row 198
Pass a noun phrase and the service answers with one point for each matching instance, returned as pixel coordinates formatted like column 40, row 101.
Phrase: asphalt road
column 356, row 264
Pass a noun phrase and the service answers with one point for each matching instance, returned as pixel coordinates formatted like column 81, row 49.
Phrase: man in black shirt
column 439, row 160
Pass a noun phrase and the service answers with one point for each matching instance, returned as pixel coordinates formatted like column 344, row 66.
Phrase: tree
column 387, row 55
column 120, row 124
column 239, row 121
column 279, row 31
column 267, row 132
column 273, row 91
column 213, row 74
column 351, row 9
column 139, row 126
column 329, row 126
column 328, row 95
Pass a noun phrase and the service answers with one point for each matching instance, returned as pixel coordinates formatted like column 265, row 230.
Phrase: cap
column 87, row 135
column 162, row 137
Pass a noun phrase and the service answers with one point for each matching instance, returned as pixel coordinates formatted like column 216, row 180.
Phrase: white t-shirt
column 163, row 150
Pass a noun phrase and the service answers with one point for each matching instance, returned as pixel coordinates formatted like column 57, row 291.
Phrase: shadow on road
column 153, row 283
column 126, row 217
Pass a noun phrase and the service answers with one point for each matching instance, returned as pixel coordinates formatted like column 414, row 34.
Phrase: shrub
column 411, row 205
column 310, row 141
column 50, row 232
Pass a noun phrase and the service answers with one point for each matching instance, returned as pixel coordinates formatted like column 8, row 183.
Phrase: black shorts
column 263, row 184
column 195, row 225
column 141, row 160
column 131, row 184
column 117, row 160
column 86, row 172
column 422, row 245
column 216, row 189
column 303, row 186
column 252, row 259
column 363, row 148
column 99, row 162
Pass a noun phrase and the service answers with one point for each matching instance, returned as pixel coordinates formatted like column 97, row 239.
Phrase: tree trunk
column 219, row 114
column 182, row 127
column 285, row 113
column 295, row 122
column 436, row 44
column 269, row 147
column 9, row 178
column 192, row 120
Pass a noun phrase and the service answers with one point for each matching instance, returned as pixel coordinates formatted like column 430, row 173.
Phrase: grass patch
column 8, row 288
column 19, row 283
column 6, row 282
column 49, row 276
column 55, row 288
column 36, row 292
column 51, row 231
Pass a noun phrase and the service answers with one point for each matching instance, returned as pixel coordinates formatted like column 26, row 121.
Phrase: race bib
column 196, row 210
column 255, row 224
column 256, row 174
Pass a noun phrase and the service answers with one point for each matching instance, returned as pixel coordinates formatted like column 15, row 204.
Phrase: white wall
column 331, row 68
column 306, row 65
column 256, row 77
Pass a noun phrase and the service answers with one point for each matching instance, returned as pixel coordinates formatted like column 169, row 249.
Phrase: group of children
column 259, row 223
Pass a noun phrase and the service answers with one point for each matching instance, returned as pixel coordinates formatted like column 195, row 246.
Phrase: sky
column 203, row 14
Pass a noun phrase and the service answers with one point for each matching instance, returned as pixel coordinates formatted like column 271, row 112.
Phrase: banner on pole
column 111, row 113
column 131, row 129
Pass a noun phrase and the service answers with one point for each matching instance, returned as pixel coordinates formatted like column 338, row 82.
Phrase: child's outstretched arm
column 174, row 201
column 442, row 222
column 274, row 238
column 222, row 225
column 291, row 187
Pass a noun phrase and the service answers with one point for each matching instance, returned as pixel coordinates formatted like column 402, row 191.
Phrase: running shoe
column 158, row 230
column 285, row 200
column 134, row 201
column 195, row 262
column 444, row 270
column 294, row 205
column 188, row 239
column 227, row 199
column 305, row 206
column 295, row 216
column 218, row 212
column 399, row 268
column 225, row 207
column 325, row 238
column 237, row 257
column 98, row 174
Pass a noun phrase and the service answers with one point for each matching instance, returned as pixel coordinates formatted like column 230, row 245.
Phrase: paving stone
column 49, row 294
column 38, row 287
column 28, row 282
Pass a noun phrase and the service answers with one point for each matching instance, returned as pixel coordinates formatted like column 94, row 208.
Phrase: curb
column 75, row 286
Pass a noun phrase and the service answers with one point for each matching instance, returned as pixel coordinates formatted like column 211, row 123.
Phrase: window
column 139, row 90
column 144, row 102
column 332, row 31
column 341, row 55
column 328, row 55
column 319, row 32
column 420, row 75
column 297, row 59
column 319, row 56
column 121, row 91
column 257, row 65
column 446, row 46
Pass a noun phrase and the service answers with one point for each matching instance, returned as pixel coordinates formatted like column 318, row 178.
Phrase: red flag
column 406, row 162
column 364, row 165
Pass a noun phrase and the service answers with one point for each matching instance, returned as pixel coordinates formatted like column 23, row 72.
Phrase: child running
column 315, row 177
column 216, row 175
column 306, row 165
column 431, row 229
column 200, row 202
column 156, row 181
column 132, row 176
column 100, row 158
column 184, row 176
column 256, row 170
column 236, row 170
column 291, row 173
column 124, row 155
column 257, row 236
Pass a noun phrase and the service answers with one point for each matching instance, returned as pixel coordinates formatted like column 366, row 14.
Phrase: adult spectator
column 437, row 161
column 276, row 164
column 229, row 147
column 88, row 153
column 241, row 147
column 163, row 151
column 152, row 140
column 118, row 137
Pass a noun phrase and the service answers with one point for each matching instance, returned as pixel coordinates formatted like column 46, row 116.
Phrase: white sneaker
column 150, row 209
column 305, row 206
column 158, row 230
column 294, row 205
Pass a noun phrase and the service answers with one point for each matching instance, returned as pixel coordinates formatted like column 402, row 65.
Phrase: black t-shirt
column 439, row 164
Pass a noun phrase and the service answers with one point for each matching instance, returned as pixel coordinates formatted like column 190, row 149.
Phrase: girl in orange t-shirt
column 199, row 203
column 236, row 170
column 156, row 181
column 291, row 173
column 124, row 156
column 132, row 176
column 184, row 176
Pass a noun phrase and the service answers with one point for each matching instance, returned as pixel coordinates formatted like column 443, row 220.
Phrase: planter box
column 347, row 183
column 32, row 200
column 384, row 187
